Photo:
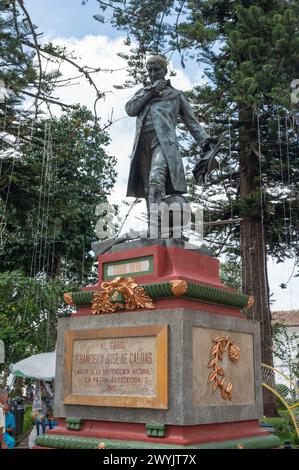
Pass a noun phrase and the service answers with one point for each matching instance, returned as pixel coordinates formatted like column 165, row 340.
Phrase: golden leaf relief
column 223, row 343
column 68, row 299
column 134, row 296
column 179, row 287
column 250, row 302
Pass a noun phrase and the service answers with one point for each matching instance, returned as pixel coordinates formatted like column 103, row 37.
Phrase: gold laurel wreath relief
column 217, row 376
column 178, row 287
column 68, row 299
column 134, row 295
column 250, row 302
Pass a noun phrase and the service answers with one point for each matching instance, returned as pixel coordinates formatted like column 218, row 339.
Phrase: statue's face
column 156, row 71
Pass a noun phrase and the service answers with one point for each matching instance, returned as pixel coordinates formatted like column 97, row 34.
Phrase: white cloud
column 283, row 273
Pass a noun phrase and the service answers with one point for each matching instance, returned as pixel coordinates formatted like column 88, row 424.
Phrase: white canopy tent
column 38, row 367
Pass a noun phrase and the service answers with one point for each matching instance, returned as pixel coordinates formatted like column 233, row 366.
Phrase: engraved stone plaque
column 122, row 366
column 130, row 267
column 117, row 367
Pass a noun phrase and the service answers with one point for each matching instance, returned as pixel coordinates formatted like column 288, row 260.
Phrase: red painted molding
column 169, row 263
column 175, row 303
column 177, row 435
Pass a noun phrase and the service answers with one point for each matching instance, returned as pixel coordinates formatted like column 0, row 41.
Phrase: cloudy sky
column 95, row 44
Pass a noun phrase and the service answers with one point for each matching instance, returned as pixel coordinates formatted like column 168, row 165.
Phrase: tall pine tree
column 44, row 160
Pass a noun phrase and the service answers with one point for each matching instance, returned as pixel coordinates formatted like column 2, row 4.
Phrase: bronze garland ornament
column 179, row 287
column 217, row 376
column 106, row 300
column 250, row 302
column 68, row 299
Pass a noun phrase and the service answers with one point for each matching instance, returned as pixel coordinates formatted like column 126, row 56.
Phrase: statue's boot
column 155, row 197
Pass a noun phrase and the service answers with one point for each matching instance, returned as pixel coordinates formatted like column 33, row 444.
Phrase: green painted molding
column 162, row 290
column 265, row 442
column 82, row 298
column 155, row 430
column 74, row 424
column 214, row 295
column 66, row 442
column 71, row 442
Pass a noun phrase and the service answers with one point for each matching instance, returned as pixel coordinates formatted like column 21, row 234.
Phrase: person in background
column 10, row 427
column 3, row 400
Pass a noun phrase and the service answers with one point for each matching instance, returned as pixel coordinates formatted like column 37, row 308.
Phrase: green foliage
column 28, row 421
column 29, row 309
column 283, row 390
column 284, row 429
column 17, row 69
column 71, row 177
column 285, row 349
column 22, row 77
column 53, row 172
column 230, row 274
column 17, row 74
column 283, row 413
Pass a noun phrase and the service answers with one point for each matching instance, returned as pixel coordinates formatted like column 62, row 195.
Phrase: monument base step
column 67, row 442
column 113, row 435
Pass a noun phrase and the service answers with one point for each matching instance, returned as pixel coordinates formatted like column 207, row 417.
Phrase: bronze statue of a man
column 156, row 166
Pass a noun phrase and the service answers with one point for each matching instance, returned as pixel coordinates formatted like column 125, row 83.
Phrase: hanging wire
column 45, row 191
column 50, row 267
column 289, row 178
column 37, row 232
column 248, row 255
column 49, row 182
column 282, row 176
column 3, row 139
column 263, row 255
column 33, row 238
column 83, row 262
column 44, row 237
column 284, row 284
column 230, row 164
column 17, row 149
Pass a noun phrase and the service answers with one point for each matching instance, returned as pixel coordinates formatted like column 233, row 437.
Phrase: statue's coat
column 165, row 112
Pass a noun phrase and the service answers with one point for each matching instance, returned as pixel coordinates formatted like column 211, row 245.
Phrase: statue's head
column 156, row 67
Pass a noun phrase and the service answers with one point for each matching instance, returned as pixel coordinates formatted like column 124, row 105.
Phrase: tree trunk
column 18, row 385
column 253, row 248
column 4, row 375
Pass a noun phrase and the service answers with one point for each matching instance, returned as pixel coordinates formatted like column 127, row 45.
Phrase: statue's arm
column 191, row 122
column 139, row 100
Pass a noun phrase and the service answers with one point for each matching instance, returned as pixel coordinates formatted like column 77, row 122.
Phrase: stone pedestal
column 184, row 372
